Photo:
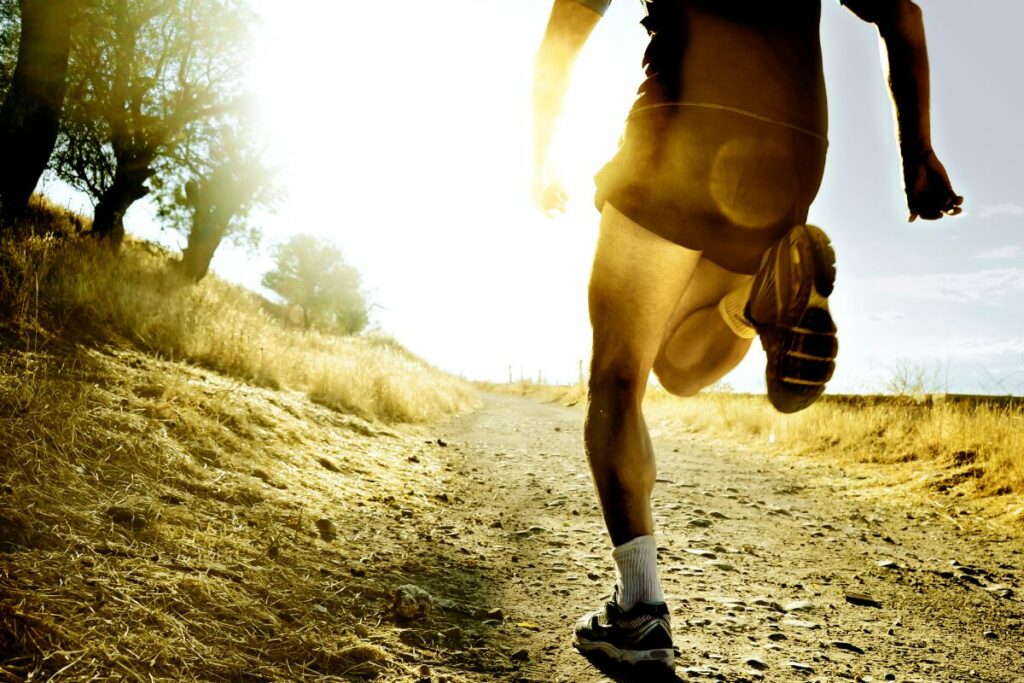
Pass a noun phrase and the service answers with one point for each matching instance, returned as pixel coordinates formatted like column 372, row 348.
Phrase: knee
column 677, row 381
column 620, row 375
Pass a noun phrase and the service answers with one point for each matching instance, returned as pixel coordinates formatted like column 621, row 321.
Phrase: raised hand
column 929, row 192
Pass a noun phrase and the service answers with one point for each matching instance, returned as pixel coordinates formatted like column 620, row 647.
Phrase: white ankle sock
column 636, row 564
column 731, row 309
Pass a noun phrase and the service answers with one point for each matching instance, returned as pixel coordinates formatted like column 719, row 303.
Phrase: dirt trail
column 775, row 568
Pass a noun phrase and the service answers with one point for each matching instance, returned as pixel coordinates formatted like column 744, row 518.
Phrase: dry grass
column 56, row 288
column 159, row 522
column 158, row 518
column 972, row 451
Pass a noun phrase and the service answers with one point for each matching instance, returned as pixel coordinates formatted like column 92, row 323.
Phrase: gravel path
column 775, row 568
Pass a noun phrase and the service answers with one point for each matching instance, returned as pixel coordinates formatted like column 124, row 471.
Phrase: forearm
column 568, row 28
column 907, row 57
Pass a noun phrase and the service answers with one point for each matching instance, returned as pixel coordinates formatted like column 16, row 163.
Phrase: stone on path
column 862, row 600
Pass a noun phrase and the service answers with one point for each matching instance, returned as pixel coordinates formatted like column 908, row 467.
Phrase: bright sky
column 404, row 138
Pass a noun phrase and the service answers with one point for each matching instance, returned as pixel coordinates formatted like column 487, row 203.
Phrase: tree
column 312, row 274
column 31, row 110
column 146, row 76
column 211, row 196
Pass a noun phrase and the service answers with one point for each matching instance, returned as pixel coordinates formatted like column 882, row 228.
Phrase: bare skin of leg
column 699, row 348
column 637, row 282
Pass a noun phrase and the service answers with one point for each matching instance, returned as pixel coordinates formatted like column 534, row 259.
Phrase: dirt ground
column 281, row 541
column 775, row 568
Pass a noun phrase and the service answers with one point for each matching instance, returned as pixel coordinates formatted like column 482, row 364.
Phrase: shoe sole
column 796, row 296
column 661, row 655
column 801, row 244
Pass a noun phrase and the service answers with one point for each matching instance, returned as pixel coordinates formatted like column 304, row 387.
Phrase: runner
column 703, row 240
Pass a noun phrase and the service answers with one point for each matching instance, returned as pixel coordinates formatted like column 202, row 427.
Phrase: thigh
column 635, row 286
column 710, row 282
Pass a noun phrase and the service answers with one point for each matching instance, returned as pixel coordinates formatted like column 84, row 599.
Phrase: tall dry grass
column 54, row 288
column 973, row 449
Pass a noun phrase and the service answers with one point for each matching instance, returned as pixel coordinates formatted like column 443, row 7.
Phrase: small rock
column 328, row 465
column 411, row 602
column 723, row 566
column 424, row 671
column 361, row 631
column 328, row 531
column 136, row 521
column 699, row 523
column 699, row 552
column 890, row 676
column 798, row 606
column 862, row 600
column 798, row 623
column 888, row 564
column 496, row 614
column 755, row 663
column 849, row 647
column 520, row 655
column 442, row 443
column 991, row 635
column 776, row 636
column 1000, row 589
column 800, row 666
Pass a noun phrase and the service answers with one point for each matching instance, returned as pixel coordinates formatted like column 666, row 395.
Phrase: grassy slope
column 159, row 519
column 929, row 452
column 174, row 466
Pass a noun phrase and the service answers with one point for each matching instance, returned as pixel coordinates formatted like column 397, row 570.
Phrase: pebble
column 798, row 623
column 136, row 521
column 328, row 531
column 888, row 564
column 798, row 606
column 777, row 636
column 862, row 600
column 496, row 614
column 411, row 602
column 991, row 635
column 849, row 647
column 800, row 666
column 521, row 655
column 755, row 663
column 724, row 566
column 699, row 523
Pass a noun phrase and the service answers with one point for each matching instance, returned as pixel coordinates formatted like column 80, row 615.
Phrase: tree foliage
column 210, row 197
column 312, row 274
column 148, row 82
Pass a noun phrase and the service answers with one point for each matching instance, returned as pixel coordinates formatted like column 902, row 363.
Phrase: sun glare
column 408, row 143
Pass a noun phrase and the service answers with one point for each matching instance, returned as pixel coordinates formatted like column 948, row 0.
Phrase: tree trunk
column 30, row 114
column 208, row 228
column 108, row 217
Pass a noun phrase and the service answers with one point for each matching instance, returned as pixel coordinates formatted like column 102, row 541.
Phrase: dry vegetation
column 162, row 522
column 189, row 488
column 914, row 445
column 64, row 287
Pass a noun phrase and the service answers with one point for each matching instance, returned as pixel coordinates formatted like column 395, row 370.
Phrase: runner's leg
column 699, row 347
column 637, row 281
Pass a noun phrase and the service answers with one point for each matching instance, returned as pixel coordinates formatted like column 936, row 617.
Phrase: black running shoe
column 642, row 634
column 788, row 307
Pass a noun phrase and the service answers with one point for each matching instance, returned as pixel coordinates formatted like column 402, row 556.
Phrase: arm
column 568, row 28
column 900, row 25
